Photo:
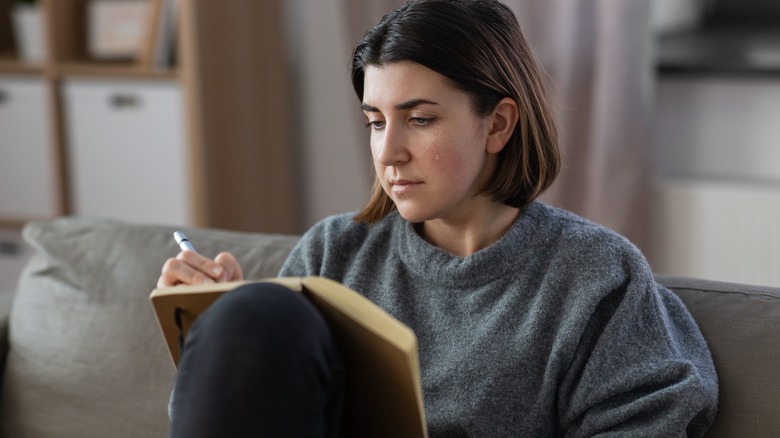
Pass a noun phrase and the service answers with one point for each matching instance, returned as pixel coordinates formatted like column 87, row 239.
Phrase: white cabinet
column 713, row 127
column 207, row 141
column 718, row 156
column 27, row 163
column 126, row 151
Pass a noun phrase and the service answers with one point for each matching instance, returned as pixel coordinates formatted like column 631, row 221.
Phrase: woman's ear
column 504, row 119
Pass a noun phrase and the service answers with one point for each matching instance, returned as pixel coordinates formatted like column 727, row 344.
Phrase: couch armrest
column 741, row 324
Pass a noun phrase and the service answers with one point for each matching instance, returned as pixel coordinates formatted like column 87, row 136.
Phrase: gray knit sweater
column 557, row 329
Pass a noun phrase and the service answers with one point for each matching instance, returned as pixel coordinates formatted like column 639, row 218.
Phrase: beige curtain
column 363, row 14
column 598, row 56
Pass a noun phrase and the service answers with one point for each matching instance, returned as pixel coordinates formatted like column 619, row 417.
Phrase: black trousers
column 259, row 362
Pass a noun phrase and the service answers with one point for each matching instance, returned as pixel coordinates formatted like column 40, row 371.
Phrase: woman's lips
column 401, row 186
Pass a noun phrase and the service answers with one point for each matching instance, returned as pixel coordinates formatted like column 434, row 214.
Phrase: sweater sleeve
column 305, row 256
column 325, row 249
column 641, row 368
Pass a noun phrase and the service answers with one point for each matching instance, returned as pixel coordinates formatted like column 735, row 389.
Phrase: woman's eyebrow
column 409, row 104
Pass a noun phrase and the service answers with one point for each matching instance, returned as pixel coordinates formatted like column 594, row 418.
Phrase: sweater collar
column 432, row 263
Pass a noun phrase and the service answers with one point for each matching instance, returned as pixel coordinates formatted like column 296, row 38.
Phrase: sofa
column 83, row 356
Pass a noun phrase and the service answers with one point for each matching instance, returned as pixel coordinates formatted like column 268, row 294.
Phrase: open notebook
column 383, row 394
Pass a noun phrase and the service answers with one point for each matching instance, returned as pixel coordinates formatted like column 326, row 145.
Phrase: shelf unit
column 239, row 158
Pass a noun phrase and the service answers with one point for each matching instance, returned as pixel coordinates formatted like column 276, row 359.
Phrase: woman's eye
column 376, row 124
column 421, row 121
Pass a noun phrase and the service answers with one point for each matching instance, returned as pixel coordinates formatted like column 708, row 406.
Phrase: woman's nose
column 391, row 146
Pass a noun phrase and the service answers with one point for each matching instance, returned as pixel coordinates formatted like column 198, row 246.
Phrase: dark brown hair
column 479, row 47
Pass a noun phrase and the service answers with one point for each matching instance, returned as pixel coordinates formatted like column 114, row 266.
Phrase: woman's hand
column 190, row 267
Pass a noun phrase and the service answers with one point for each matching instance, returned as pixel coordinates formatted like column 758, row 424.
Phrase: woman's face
column 427, row 143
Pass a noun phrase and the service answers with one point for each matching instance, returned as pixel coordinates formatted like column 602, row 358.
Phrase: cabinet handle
column 124, row 100
column 4, row 96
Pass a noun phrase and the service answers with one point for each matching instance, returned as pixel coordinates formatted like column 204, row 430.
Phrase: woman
column 531, row 321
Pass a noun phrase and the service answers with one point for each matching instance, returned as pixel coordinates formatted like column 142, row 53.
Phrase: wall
column 674, row 15
column 717, row 152
column 336, row 159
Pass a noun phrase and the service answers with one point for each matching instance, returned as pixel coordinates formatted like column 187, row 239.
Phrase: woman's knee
column 261, row 304
column 267, row 316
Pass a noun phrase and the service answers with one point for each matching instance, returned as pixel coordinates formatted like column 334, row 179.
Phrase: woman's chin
column 414, row 215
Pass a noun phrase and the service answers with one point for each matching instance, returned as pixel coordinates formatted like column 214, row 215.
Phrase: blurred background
column 239, row 114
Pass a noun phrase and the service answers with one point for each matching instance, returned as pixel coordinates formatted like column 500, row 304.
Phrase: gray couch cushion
column 86, row 357
column 742, row 327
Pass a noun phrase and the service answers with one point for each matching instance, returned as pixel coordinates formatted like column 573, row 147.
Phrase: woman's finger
column 176, row 271
column 202, row 264
column 231, row 267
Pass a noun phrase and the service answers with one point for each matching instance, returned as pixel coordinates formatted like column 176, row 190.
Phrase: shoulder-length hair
column 479, row 47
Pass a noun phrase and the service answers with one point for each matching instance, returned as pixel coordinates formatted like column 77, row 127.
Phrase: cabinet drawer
column 27, row 165
column 126, row 150
column 716, row 128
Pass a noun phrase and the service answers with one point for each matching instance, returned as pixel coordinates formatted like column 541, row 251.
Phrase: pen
column 183, row 242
